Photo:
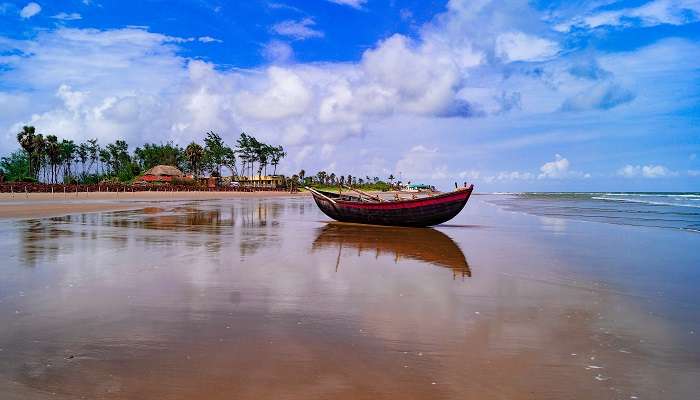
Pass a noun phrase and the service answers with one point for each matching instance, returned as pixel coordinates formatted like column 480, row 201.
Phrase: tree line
column 323, row 178
column 50, row 160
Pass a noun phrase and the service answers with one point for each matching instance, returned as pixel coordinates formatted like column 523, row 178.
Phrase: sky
column 508, row 95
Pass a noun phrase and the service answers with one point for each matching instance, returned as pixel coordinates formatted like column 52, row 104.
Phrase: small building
column 263, row 181
column 162, row 173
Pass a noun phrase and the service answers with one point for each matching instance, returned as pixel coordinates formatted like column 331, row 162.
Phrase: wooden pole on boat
column 314, row 191
column 366, row 194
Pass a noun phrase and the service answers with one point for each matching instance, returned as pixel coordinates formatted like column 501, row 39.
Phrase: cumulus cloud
column 67, row 16
column 555, row 169
column 30, row 10
column 646, row 171
column 518, row 46
column 297, row 29
column 651, row 13
column 476, row 59
column 559, row 168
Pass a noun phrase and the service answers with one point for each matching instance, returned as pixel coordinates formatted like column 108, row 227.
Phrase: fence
column 20, row 187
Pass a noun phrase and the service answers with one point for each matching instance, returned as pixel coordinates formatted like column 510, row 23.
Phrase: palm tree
column 67, row 149
column 38, row 153
column 94, row 150
column 53, row 153
column 105, row 159
column 194, row 154
column 82, row 156
column 26, row 140
column 321, row 177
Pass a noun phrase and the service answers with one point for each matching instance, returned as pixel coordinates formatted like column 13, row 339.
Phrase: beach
column 37, row 205
column 262, row 296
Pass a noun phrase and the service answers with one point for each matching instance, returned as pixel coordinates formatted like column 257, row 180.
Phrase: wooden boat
column 424, row 245
column 369, row 209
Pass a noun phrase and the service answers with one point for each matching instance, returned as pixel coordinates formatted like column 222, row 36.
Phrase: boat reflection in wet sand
column 427, row 245
column 365, row 208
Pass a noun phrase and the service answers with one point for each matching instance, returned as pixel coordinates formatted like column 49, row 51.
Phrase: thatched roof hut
column 164, row 170
column 162, row 173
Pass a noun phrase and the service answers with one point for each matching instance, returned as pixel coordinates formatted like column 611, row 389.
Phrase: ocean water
column 664, row 210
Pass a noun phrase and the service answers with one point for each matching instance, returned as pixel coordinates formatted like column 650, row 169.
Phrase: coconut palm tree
column 67, row 149
column 82, row 155
column 194, row 154
column 26, row 140
column 53, row 154
column 94, row 150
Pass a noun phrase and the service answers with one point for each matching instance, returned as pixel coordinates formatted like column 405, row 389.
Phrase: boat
column 365, row 208
column 425, row 245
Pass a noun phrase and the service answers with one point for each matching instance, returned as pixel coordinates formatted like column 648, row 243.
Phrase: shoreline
column 42, row 205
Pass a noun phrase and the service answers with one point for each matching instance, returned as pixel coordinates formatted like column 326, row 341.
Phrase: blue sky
column 512, row 95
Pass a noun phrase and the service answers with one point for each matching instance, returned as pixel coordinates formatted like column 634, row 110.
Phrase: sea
column 680, row 210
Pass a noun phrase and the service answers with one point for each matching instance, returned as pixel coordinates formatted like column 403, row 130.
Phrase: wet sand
column 38, row 205
column 253, row 298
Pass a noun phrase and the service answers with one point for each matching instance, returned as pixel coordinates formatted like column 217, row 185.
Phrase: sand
column 265, row 299
column 39, row 205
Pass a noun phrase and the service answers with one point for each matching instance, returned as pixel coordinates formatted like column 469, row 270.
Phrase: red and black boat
column 370, row 209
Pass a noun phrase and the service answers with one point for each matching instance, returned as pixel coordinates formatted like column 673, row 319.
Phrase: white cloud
column 67, row 16
column 298, row 30
column 30, row 10
column 209, row 39
column 351, row 3
column 600, row 96
column 518, row 46
column 134, row 84
column 512, row 176
column 558, row 168
column 646, row 171
column 284, row 95
column 693, row 172
column 421, row 162
column 277, row 51
column 652, row 13
column 470, row 174
column 327, row 151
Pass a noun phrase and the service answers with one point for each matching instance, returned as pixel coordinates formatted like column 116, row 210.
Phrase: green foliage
column 215, row 152
column 379, row 186
column 251, row 151
column 15, row 167
column 194, row 154
column 151, row 155
column 51, row 159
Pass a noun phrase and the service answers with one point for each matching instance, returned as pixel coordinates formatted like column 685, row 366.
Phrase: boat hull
column 427, row 211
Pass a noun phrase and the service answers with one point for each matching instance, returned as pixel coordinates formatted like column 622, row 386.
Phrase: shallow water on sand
column 264, row 298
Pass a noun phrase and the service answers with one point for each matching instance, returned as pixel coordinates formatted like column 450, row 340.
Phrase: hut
column 162, row 173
